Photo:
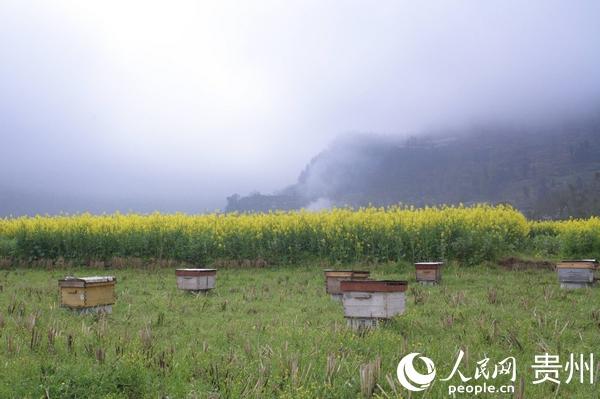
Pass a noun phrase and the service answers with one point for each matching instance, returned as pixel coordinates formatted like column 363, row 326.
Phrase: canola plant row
column 466, row 234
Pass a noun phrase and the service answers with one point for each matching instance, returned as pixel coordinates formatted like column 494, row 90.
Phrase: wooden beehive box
column 576, row 273
column 429, row 272
column 93, row 294
column 367, row 300
column 333, row 278
column 196, row 280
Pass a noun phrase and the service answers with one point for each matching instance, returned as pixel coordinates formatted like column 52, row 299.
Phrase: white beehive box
column 368, row 301
column 574, row 274
column 196, row 280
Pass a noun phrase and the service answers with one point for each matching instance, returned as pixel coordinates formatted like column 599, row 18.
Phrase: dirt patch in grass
column 514, row 263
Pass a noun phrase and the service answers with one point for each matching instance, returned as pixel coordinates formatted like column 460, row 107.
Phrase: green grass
column 272, row 332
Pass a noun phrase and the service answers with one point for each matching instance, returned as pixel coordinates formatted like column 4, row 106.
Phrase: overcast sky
column 174, row 103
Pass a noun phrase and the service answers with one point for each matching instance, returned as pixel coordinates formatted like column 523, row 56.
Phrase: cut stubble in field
column 274, row 332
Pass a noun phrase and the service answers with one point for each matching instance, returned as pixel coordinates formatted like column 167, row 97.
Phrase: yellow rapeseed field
column 468, row 234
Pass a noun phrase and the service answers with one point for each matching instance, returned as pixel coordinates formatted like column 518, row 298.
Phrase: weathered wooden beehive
column 196, row 280
column 576, row 273
column 88, row 294
column 367, row 302
column 429, row 272
column 333, row 278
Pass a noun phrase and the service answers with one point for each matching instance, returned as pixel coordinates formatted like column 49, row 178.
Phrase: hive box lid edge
column 85, row 281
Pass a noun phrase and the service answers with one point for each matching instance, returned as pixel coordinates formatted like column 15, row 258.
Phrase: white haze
column 142, row 105
column 319, row 205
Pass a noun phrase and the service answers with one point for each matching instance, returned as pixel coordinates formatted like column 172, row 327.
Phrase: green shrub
column 8, row 247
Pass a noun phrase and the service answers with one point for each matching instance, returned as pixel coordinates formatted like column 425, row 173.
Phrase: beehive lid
column 84, row 281
column 577, row 264
column 346, row 273
column 194, row 272
column 373, row 286
column 199, row 269
column 428, row 265
column 338, row 273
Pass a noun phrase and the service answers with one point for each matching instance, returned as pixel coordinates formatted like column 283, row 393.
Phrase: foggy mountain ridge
column 545, row 171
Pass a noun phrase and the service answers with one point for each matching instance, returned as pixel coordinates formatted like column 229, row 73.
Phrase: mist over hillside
column 550, row 171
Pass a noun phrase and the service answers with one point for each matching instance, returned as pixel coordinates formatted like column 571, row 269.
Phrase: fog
column 172, row 106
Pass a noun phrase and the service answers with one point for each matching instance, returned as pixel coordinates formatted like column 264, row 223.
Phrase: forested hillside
column 545, row 172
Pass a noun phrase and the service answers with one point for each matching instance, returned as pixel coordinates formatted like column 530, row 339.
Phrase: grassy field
column 274, row 332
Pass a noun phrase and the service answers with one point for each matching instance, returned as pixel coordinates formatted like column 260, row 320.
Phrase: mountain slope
column 545, row 172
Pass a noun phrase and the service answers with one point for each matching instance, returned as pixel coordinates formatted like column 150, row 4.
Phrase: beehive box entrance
column 428, row 272
column 196, row 280
column 574, row 274
column 367, row 302
column 88, row 294
column 333, row 278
